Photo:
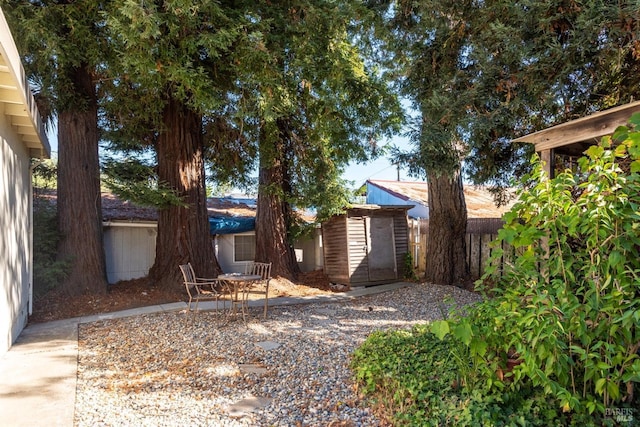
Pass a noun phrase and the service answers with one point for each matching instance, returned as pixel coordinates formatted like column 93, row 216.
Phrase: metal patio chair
column 199, row 288
column 264, row 271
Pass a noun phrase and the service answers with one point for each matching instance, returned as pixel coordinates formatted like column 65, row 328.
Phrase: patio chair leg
column 266, row 301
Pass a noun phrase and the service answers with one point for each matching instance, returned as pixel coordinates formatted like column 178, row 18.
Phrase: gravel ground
column 292, row 369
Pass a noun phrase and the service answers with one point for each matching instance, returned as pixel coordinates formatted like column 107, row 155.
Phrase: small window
column 244, row 248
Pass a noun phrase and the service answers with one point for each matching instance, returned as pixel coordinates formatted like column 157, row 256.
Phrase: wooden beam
column 547, row 158
column 10, row 96
column 21, row 121
column 587, row 129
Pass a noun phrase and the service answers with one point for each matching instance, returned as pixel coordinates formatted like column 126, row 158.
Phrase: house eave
column 16, row 99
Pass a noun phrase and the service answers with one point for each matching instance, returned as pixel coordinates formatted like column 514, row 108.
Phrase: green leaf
column 635, row 119
column 440, row 328
column 463, row 332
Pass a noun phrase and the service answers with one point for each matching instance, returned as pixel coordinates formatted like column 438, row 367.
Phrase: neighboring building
column 22, row 138
column 129, row 234
column 130, row 237
column 392, row 193
column 479, row 201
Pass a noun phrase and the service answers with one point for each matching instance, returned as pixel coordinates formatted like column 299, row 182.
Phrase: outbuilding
column 366, row 245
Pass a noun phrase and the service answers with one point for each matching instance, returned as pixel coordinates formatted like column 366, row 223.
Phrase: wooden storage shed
column 366, row 245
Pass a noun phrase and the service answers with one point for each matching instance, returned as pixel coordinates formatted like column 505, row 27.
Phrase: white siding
column 21, row 131
column 311, row 253
column 224, row 253
column 15, row 248
column 129, row 251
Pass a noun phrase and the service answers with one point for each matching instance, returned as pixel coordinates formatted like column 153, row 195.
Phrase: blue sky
column 381, row 168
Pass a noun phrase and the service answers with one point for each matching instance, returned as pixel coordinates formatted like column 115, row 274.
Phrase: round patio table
column 239, row 283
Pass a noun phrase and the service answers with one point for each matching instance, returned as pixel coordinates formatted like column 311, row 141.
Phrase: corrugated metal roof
column 479, row 200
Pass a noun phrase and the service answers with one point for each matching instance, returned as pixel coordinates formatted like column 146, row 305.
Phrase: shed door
column 381, row 252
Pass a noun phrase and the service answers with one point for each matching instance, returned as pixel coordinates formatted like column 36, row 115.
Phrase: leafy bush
column 47, row 271
column 413, row 380
column 567, row 304
column 409, row 270
column 570, row 300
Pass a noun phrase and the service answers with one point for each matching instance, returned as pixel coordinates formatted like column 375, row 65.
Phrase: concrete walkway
column 38, row 373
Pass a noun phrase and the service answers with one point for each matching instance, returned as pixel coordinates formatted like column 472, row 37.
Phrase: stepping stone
column 326, row 311
column 249, row 368
column 248, row 405
column 268, row 345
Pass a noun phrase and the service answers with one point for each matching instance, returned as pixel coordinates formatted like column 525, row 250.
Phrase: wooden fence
column 480, row 233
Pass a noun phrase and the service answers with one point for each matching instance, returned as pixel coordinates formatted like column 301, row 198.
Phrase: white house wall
column 308, row 252
column 15, row 248
column 129, row 250
column 377, row 196
column 224, row 253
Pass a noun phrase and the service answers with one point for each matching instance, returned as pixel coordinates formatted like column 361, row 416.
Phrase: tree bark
column 446, row 247
column 274, row 213
column 79, row 199
column 183, row 232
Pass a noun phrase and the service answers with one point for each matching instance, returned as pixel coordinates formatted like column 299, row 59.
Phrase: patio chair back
column 260, row 269
column 263, row 270
column 199, row 288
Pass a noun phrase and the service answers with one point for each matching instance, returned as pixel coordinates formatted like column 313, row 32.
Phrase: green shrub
column 566, row 303
column 413, row 380
column 569, row 302
column 47, row 271
column 409, row 270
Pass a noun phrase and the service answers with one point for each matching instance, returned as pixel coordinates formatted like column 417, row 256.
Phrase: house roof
column 480, row 203
column 580, row 133
column 19, row 104
column 116, row 209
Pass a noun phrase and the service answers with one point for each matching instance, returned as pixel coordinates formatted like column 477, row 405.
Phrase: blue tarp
column 231, row 225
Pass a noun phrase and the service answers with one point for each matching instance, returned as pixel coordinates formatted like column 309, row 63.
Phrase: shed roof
column 19, row 104
column 576, row 135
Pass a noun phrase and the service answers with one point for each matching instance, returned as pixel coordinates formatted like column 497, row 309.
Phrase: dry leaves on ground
column 135, row 293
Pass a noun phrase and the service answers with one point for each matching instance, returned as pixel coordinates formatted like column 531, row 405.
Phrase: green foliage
column 413, row 380
column 55, row 40
column 409, row 270
column 567, row 305
column 47, row 271
column 134, row 180
column 45, row 175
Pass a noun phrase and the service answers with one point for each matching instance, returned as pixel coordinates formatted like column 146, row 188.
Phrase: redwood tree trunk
column 446, row 247
column 183, row 232
column 79, row 200
column 273, row 214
